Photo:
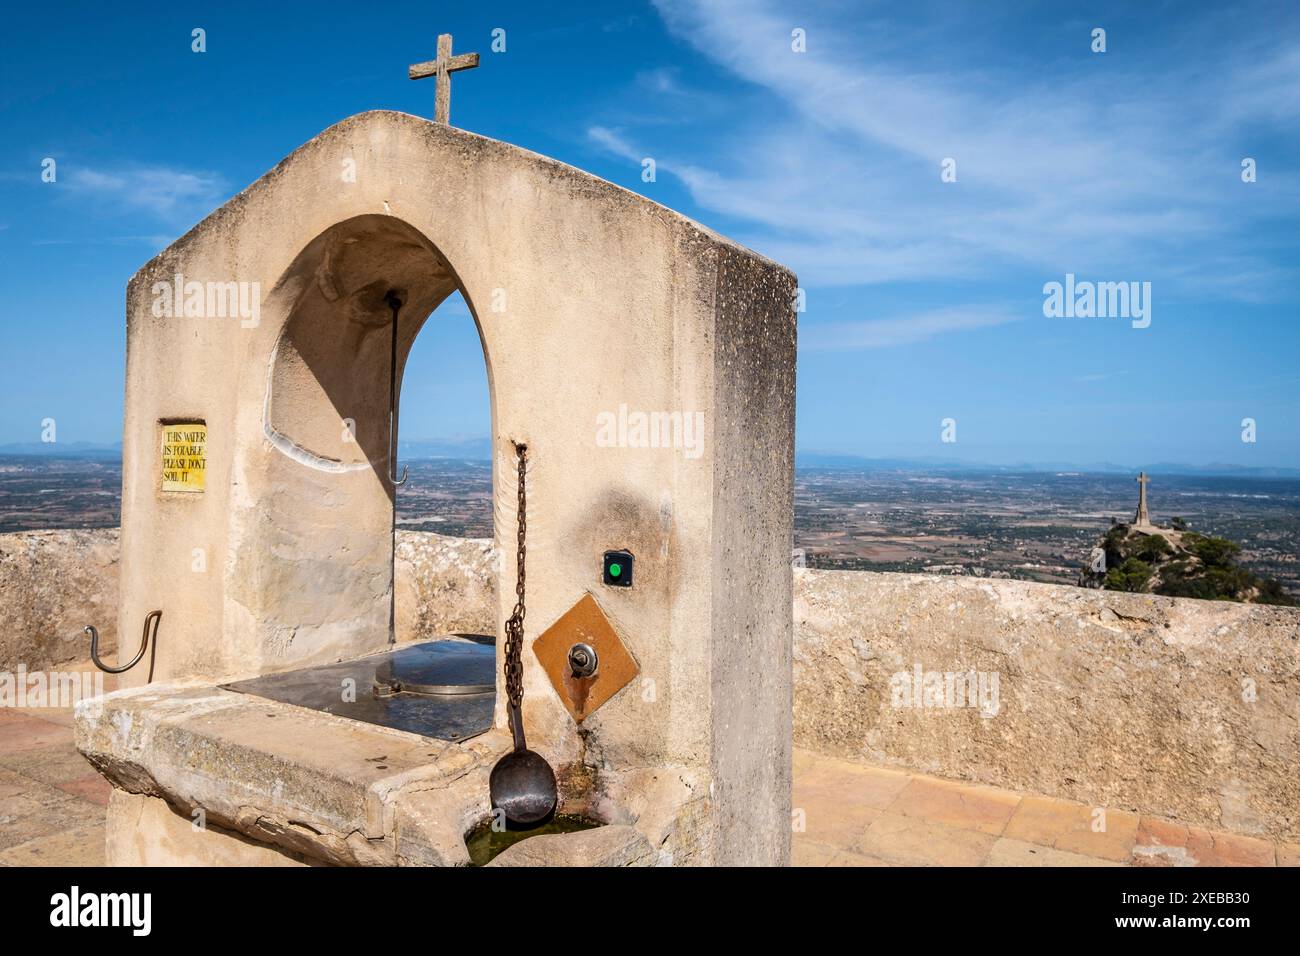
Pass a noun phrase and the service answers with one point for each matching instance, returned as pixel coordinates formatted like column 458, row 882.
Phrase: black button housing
column 618, row 569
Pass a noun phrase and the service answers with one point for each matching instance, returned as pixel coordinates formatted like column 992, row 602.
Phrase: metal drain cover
column 445, row 667
column 447, row 688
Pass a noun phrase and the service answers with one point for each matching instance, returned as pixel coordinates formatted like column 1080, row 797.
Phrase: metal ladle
column 522, row 783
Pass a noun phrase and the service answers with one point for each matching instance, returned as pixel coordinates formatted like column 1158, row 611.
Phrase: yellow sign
column 184, row 456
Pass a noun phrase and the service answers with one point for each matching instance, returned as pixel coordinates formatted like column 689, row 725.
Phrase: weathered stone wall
column 52, row 584
column 1127, row 701
column 444, row 586
column 1180, row 708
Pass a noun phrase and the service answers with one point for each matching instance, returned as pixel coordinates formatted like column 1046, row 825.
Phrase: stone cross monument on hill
column 1142, row 517
column 442, row 68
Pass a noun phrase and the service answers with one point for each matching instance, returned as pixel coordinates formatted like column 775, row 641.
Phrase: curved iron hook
column 395, row 303
column 154, row 616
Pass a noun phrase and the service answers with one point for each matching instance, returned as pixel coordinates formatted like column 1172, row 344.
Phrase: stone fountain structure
column 258, row 501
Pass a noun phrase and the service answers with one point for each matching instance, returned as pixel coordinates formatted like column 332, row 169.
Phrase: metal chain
column 514, row 667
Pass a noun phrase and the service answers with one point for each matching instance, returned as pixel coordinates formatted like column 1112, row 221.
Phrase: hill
column 1177, row 562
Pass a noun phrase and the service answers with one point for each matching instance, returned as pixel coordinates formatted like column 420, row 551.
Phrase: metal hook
column 154, row 616
column 395, row 303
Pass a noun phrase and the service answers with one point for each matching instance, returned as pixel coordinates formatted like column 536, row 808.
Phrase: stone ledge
column 304, row 782
column 324, row 789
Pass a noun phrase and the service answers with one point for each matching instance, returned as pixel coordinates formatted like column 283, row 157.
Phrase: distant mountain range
column 68, row 449
column 858, row 463
column 480, row 449
column 467, row 449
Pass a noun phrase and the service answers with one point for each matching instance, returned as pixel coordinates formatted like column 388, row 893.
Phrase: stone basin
column 272, row 782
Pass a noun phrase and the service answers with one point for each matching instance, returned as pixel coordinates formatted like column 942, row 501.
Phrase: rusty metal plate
column 585, row 623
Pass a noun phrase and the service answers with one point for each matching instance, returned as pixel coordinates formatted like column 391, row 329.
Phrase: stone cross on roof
column 442, row 68
column 1142, row 517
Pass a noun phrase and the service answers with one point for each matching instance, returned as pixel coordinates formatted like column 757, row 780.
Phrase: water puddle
column 485, row 844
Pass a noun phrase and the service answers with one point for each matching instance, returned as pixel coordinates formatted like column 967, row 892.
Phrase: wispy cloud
column 613, row 142
column 661, row 80
column 1089, row 165
column 900, row 330
column 164, row 193
column 155, row 240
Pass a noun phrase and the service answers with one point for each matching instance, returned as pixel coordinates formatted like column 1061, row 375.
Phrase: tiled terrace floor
column 52, row 813
column 51, row 800
column 856, row 815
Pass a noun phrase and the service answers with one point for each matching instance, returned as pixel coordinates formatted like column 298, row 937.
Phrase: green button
column 615, row 570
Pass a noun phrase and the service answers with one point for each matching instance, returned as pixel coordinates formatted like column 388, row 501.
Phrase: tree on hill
column 1152, row 548
column 1196, row 565
column 1132, row 575
column 1214, row 552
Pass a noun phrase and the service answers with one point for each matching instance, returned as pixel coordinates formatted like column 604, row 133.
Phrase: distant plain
column 1031, row 525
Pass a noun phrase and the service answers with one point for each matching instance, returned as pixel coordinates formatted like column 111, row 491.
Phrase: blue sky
column 924, row 298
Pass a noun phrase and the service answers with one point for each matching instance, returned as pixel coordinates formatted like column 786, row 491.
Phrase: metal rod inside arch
column 395, row 304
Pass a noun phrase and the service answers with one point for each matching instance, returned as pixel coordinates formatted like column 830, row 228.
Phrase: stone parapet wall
column 1174, row 707
column 52, row 584
column 444, row 586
